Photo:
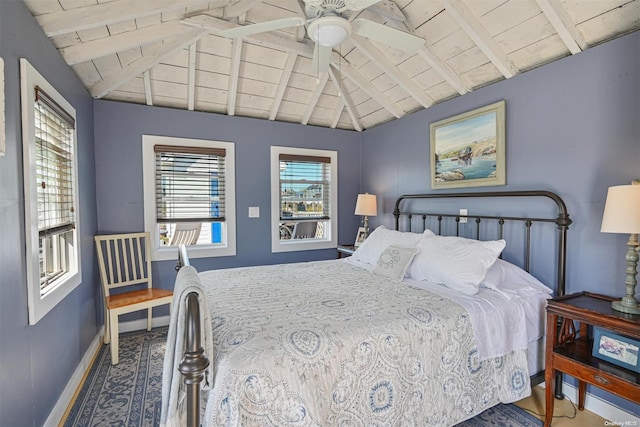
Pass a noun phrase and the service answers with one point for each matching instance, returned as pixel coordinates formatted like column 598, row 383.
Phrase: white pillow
column 455, row 262
column 509, row 280
column 369, row 251
column 394, row 262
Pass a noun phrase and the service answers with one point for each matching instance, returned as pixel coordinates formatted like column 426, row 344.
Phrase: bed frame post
column 563, row 221
column 194, row 363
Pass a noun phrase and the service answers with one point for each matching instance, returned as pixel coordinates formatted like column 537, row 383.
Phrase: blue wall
column 572, row 127
column 36, row 362
column 118, row 140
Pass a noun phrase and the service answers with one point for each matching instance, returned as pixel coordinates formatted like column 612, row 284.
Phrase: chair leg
column 114, row 337
column 107, row 330
column 149, row 318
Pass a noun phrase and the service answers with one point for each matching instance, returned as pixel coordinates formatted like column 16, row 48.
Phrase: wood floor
column 565, row 413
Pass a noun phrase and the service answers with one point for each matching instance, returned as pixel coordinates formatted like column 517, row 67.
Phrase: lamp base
column 619, row 306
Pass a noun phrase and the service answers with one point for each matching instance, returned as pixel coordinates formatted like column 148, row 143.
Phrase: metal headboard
column 561, row 219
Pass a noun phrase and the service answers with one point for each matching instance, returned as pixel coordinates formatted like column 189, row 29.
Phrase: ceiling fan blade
column 262, row 27
column 359, row 4
column 387, row 35
column 321, row 58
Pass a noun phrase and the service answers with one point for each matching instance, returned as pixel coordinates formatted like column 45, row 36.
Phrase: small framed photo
column 616, row 349
column 360, row 236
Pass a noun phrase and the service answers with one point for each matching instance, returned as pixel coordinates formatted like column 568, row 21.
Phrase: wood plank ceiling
column 169, row 53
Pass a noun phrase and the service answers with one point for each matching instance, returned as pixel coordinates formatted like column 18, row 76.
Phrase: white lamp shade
column 329, row 31
column 622, row 210
column 366, row 205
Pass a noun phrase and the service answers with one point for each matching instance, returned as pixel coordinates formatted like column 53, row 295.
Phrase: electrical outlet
column 463, row 216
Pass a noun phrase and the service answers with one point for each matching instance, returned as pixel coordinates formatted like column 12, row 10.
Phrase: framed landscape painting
column 468, row 150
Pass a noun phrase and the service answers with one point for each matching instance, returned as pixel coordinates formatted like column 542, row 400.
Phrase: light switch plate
column 463, row 216
column 254, row 212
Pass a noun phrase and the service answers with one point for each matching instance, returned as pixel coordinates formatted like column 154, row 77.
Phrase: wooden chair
column 305, row 230
column 124, row 261
column 186, row 233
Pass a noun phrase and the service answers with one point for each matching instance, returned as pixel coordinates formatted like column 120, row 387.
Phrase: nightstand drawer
column 624, row 386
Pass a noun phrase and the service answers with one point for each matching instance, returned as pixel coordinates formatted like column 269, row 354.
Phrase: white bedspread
column 327, row 343
column 500, row 324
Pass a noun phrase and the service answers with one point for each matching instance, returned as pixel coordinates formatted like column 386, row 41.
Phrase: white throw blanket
column 173, row 388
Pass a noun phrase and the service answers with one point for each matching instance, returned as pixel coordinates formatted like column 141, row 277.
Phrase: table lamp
column 366, row 205
column 622, row 215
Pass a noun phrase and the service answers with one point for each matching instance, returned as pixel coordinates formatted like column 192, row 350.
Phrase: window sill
column 167, row 253
column 301, row 245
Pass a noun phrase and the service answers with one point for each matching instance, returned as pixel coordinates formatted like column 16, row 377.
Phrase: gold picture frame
column 468, row 150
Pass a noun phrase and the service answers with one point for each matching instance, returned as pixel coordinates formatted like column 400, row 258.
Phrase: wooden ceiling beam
column 562, row 22
column 98, row 48
column 84, row 18
column 380, row 59
column 365, row 85
column 446, row 72
column 346, row 100
column 144, row 63
column 191, row 80
column 282, row 86
column 238, row 8
column 443, row 69
column 311, row 105
column 481, row 37
column 148, row 95
column 336, row 117
column 234, row 74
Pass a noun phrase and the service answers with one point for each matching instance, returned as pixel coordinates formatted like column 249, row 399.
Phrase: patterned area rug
column 129, row 394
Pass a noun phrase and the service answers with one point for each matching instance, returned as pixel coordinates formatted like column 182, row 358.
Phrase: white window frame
column 331, row 241
column 163, row 253
column 39, row 305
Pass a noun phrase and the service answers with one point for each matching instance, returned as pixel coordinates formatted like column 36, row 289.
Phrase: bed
column 421, row 326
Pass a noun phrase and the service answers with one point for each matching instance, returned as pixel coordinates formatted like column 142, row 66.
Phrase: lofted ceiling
column 172, row 53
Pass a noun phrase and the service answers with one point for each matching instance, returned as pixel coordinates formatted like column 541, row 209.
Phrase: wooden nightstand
column 345, row 250
column 569, row 349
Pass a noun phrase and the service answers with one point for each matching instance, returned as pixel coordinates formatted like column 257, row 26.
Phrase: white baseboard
column 69, row 391
column 141, row 324
column 598, row 406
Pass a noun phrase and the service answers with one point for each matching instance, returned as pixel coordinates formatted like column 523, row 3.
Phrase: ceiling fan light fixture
column 329, row 31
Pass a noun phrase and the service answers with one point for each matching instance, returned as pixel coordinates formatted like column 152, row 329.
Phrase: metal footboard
column 194, row 363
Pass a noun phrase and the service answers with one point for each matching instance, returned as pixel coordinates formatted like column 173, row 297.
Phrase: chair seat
column 136, row 297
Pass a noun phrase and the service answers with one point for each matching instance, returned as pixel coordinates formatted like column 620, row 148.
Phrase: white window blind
column 305, row 187
column 190, row 184
column 51, row 193
column 54, row 140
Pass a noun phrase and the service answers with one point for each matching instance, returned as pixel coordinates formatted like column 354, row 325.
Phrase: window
column 304, row 199
column 189, row 196
column 51, row 193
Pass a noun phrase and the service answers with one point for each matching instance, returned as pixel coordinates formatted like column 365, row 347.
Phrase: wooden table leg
column 582, row 392
column 549, row 372
column 582, row 386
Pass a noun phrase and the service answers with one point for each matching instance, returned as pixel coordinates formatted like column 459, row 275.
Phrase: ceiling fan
column 328, row 25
